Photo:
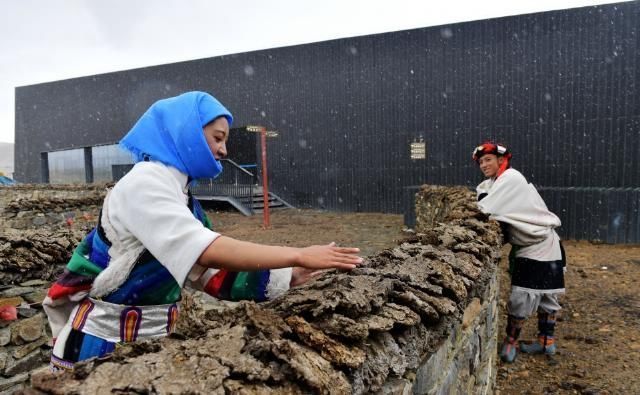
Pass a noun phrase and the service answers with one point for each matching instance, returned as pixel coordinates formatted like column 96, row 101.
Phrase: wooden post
column 265, row 181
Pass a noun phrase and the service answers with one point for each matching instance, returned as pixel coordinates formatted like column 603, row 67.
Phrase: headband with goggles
column 490, row 148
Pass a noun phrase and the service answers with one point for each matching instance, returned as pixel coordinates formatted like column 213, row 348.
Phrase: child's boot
column 546, row 342
column 508, row 350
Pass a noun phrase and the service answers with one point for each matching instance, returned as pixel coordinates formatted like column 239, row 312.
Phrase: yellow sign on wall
column 418, row 150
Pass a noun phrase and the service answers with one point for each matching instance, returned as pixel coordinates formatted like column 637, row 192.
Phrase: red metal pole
column 265, row 181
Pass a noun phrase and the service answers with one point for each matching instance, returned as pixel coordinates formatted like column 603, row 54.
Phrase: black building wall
column 559, row 88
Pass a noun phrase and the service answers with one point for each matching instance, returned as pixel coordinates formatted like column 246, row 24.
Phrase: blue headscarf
column 171, row 132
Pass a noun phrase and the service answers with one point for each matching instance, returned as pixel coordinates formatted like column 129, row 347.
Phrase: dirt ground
column 370, row 232
column 598, row 330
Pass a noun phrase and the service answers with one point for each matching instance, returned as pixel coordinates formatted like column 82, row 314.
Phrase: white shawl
column 512, row 200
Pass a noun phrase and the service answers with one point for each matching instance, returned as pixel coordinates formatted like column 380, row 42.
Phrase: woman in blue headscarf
column 124, row 280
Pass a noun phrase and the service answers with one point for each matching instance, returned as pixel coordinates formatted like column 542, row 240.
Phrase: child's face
column 490, row 164
column 217, row 133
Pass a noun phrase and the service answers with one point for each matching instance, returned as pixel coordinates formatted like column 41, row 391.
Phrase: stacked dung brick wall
column 419, row 318
column 465, row 362
column 40, row 225
column 32, row 206
column 24, row 343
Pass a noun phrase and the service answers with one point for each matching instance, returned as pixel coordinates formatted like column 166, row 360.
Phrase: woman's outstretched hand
column 242, row 256
column 328, row 257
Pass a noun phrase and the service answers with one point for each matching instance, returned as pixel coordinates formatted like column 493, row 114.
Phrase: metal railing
column 234, row 181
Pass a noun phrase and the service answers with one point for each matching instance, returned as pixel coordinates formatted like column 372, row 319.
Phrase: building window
column 66, row 167
column 106, row 160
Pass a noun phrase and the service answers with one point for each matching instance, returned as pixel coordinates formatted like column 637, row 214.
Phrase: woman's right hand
column 329, row 256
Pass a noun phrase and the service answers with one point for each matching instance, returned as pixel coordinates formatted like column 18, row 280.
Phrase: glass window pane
column 104, row 158
column 66, row 167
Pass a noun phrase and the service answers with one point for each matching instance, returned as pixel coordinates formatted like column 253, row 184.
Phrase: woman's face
column 217, row 133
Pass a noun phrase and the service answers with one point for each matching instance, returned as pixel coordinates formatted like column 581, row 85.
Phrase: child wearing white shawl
column 537, row 258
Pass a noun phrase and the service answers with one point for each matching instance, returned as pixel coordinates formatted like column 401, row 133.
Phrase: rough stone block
column 21, row 351
column 5, row 384
column 4, row 359
column 397, row 387
column 26, row 312
column 27, row 330
column 16, row 291
column 28, row 363
column 429, row 372
column 5, row 336
column 39, row 221
column 11, row 301
column 14, row 389
column 34, row 283
column 36, row 297
column 471, row 313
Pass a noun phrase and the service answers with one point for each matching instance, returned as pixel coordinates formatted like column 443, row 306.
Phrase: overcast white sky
column 49, row 40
